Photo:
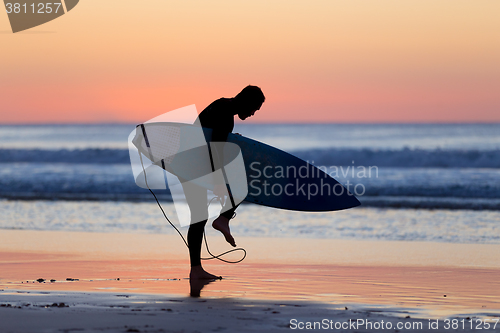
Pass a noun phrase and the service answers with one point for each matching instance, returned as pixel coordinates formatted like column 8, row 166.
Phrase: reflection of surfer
column 219, row 117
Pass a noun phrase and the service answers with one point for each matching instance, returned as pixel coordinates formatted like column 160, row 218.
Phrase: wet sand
column 279, row 280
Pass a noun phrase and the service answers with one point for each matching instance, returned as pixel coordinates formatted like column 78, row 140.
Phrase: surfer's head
column 249, row 100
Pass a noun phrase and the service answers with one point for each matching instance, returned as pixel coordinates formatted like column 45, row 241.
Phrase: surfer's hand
column 220, row 191
column 238, row 134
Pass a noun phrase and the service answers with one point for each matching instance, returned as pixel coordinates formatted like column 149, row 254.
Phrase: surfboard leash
column 218, row 257
column 227, row 252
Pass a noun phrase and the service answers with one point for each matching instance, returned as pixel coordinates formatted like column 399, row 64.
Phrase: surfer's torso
column 219, row 116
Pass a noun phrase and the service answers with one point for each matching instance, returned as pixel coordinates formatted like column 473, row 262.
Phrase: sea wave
column 455, row 226
column 407, row 158
column 450, row 203
column 401, row 202
column 71, row 156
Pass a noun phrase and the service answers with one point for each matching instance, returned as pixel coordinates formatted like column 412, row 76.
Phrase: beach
column 84, row 249
column 116, row 282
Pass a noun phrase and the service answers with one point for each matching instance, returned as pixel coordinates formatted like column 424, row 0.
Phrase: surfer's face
column 247, row 113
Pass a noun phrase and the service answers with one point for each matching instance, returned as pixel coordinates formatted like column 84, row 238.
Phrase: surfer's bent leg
column 230, row 212
column 222, row 223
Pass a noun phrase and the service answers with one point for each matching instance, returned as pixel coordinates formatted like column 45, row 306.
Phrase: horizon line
column 269, row 123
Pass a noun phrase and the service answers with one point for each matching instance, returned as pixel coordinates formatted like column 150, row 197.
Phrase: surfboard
column 274, row 178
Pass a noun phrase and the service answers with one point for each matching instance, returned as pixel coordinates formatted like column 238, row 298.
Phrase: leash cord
column 204, row 234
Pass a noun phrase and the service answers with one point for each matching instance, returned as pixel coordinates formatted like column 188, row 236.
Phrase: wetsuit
column 219, row 116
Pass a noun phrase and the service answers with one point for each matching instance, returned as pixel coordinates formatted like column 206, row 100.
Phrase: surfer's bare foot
column 222, row 224
column 197, row 272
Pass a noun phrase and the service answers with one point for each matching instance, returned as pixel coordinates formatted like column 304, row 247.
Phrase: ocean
column 426, row 182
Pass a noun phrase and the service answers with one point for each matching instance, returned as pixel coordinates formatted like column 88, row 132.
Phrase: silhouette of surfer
column 219, row 116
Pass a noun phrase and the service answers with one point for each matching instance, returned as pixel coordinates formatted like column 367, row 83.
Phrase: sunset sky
column 316, row 61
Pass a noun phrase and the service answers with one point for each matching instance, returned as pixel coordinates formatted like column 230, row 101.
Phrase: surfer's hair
column 251, row 95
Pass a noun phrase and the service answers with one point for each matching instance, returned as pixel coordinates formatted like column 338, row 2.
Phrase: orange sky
column 317, row 61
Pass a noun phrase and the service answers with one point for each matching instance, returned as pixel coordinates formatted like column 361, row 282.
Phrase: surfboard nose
column 353, row 202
